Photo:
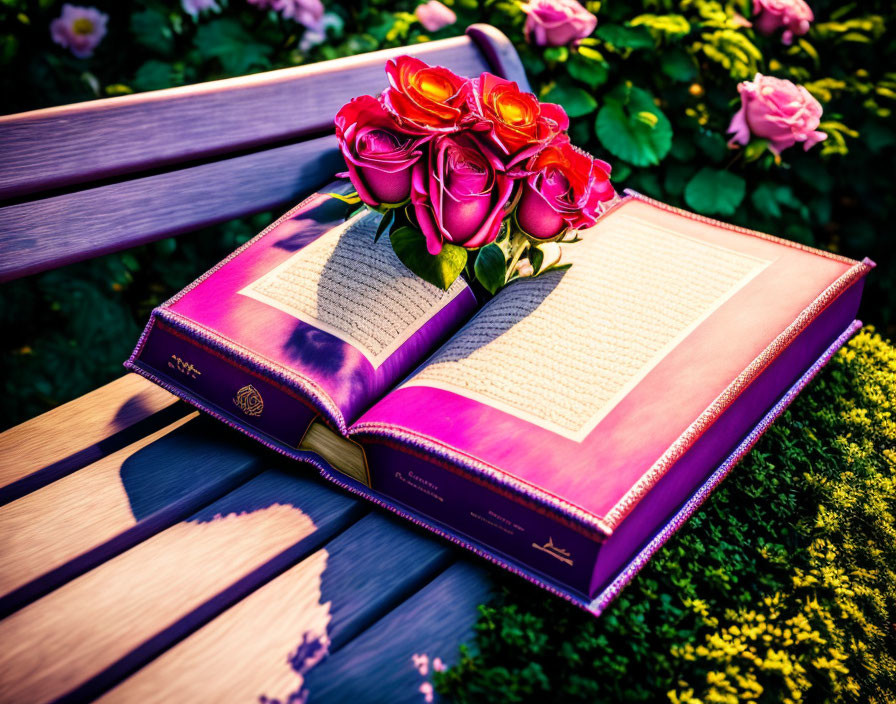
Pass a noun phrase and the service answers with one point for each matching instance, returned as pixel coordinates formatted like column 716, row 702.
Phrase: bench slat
column 330, row 596
column 82, row 431
column 80, row 639
column 432, row 622
column 48, row 233
column 72, row 144
column 74, row 524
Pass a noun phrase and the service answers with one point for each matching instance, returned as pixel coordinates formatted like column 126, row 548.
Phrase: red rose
column 459, row 192
column 426, row 97
column 518, row 123
column 378, row 152
column 564, row 189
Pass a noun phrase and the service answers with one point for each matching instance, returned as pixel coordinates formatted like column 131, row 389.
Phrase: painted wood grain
column 83, row 637
column 378, row 665
column 80, row 432
column 71, row 525
column 47, row 233
column 85, row 142
column 264, row 645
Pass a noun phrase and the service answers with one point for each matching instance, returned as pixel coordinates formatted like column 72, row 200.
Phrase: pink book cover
column 564, row 429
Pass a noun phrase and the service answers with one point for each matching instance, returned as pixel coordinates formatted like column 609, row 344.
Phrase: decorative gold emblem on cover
column 183, row 367
column 554, row 551
column 249, row 401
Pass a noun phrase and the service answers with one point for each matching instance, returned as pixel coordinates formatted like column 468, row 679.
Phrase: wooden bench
column 148, row 553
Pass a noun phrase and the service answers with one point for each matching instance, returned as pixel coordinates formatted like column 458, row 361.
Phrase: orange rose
column 428, row 98
column 519, row 124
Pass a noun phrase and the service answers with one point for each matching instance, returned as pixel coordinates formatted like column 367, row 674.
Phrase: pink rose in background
column 777, row 110
column 379, row 154
column 557, row 22
column 565, row 189
column 459, row 192
column 306, row 12
column 194, row 7
column 793, row 15
column 434, row 16
column 79, row 29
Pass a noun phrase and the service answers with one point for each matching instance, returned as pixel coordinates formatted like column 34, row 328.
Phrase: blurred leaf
column 556, row 54
column 669, row 26
column 712, row 144
column 574, row 100
column 622, row 37
column 154, row 75
column 766, row 201
column 678, row 65
column 233, row 46
column 625, row 131
column 590, row 72
column 152, row 30
column 714, row 192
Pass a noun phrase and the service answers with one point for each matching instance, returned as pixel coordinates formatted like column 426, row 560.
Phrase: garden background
column 783, row 587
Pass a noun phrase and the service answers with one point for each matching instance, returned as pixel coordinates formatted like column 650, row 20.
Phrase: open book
column 565, row 428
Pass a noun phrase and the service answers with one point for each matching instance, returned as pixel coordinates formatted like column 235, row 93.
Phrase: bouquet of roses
column 470, row 175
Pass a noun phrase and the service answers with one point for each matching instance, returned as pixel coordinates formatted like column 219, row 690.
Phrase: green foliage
column 632, row 127
column 410, row 247
column 715, row 192
column 782, row 588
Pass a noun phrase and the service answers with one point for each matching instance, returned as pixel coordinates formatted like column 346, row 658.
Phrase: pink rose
column 777, row 110
column 565, row 189
column 434, row 16
column 557, row 22
column 194, row 7
column 459, row 192
column 306, row 12
column 379, row 154
column 79, row 29
column 793, row 15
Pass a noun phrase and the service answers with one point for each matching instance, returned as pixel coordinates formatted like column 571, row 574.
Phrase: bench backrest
column 82, row 180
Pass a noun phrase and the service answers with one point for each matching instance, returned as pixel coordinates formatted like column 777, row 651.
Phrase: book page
column 562, row 349
column 345, row 284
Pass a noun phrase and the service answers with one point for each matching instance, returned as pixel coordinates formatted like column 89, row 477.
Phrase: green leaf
column 154, row 75
column 490, row 267
column 590, row 72
column 755, row 149
column 233, row 46
column 441, row 270
column 385, row 223
column 712, row 144
column 536, row 258
column 622, row 37
column 556, row 54
column 766, row 201
column 712, row 191
column 632, row 127
column 152, row 30
column 574, row 100
column 678, row 65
